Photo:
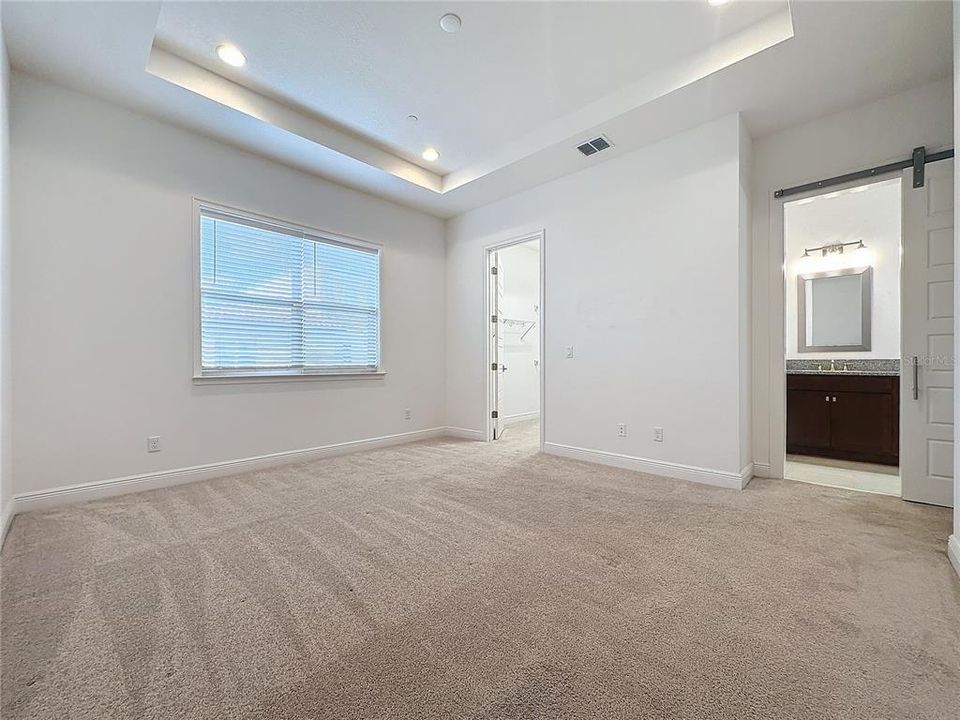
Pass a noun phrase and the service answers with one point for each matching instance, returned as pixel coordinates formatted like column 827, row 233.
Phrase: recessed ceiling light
column 231, row 55
column 718, row 3
column 451, row 23
column 430, row 154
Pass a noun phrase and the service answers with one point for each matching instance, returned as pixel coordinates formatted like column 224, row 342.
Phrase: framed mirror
column 833, row 310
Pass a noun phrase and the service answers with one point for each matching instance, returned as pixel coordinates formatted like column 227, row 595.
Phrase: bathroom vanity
column 843, row 413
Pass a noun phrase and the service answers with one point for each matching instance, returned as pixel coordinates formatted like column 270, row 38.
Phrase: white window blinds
column 278, row 301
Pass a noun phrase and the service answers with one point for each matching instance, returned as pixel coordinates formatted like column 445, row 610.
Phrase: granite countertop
column 870, row 366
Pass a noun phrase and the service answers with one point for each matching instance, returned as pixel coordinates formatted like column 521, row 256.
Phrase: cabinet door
column 863, row 423
column 808, row 420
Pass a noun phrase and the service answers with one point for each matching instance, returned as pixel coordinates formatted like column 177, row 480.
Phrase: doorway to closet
column 514, row 338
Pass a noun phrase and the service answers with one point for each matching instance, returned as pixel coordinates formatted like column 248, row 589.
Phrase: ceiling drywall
column 328, row 86
column 512, row 68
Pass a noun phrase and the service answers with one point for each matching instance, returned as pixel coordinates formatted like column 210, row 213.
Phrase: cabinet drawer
column 843, row 383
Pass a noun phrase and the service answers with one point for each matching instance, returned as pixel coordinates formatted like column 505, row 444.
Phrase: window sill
column 307, row 377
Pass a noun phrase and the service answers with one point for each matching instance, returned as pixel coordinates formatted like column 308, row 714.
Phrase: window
column 278, row 300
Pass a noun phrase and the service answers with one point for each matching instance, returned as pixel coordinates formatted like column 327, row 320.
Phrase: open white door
column 927, row 357
column 496, row 344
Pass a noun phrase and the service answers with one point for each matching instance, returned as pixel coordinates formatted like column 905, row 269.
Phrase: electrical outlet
column 658, row 434
column 621, row 430
column 153, row 444
column 570, row 351
column 407, row 414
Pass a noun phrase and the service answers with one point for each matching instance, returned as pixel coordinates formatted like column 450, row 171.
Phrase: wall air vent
column 594, row 146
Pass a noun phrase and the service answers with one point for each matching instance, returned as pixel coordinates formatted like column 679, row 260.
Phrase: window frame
column 244, row 375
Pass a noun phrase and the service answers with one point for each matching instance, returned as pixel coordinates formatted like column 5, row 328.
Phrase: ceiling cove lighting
column 430, row 154
column 231, row 55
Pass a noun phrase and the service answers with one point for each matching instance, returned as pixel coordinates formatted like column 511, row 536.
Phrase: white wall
column 5, row 395
column 520, row 271
column 644, row 260
column 102, row 335
column 879, row 132
column 871, row 215
column 745, row 335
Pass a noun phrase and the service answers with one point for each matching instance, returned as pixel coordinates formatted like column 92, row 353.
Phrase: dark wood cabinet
column 849, row 417
column 808, row 419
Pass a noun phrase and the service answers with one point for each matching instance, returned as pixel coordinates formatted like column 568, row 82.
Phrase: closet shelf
column 523, row 326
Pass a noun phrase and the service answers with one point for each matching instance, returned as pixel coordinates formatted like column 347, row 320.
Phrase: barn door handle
column 916, row 377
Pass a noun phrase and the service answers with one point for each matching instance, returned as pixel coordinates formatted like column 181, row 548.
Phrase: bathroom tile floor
column 865, row 477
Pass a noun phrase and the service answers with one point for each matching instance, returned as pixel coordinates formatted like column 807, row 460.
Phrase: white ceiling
column 513, row 67
column 328, row 86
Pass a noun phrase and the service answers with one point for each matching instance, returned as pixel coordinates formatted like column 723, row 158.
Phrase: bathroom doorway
column 868, row 333
column 842, row 271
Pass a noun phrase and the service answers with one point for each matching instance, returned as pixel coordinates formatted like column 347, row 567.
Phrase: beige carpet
column 451, row 579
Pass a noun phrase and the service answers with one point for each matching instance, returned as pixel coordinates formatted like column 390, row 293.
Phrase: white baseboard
column 953, row 552
column 464, row 433
column 6, row 518
column 675, row 471
column 520, row 417
column 69, row 494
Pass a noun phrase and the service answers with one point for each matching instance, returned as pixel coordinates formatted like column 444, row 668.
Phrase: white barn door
column 927, row 355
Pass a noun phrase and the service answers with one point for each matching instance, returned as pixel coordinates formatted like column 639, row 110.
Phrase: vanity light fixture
column 834, row 248
column 231, row 55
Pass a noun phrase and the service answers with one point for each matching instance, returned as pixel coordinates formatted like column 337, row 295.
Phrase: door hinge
column 493, row 269
column 494, row 415
column 493, row 366
column 493, row 318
